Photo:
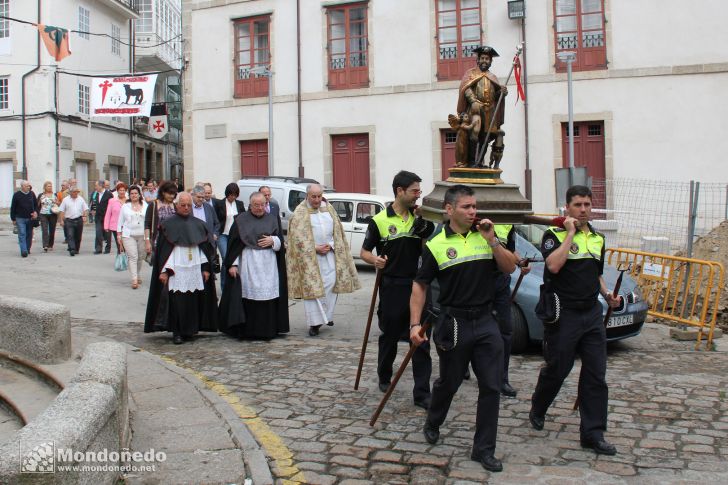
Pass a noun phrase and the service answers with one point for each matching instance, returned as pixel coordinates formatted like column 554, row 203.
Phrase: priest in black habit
column 182, row 297
column 254, row 302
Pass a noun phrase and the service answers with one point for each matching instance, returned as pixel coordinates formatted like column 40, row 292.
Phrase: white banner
column 122, row 96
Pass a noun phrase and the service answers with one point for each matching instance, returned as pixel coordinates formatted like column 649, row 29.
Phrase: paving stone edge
column 253, row 456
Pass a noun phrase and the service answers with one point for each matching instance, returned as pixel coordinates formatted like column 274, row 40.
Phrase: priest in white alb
column 182, row 298
column 320, row 266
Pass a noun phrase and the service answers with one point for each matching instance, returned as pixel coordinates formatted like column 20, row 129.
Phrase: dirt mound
column 714, row 247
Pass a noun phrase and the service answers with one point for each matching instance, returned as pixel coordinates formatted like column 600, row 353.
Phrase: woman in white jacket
column 131, row 230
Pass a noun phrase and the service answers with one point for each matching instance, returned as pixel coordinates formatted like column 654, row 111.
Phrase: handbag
column 548, row 308
column 55, row 209
column 121, row 263
column 35, row 222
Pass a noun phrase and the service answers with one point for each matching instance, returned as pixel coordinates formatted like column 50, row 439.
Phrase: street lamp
column 265, row 71
column 569, row 57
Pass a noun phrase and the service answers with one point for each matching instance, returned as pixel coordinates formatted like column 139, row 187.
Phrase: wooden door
column 351, row 162
column 447, row 148
column 254, row 157
column 588, row 152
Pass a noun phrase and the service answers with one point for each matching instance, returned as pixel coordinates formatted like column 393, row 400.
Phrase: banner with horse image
column 122, row 96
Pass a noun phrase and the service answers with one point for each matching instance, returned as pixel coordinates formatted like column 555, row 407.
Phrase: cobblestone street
column 667, row 412
column 667, row 416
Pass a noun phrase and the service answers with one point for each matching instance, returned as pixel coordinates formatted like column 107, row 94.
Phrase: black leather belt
column 472, row 313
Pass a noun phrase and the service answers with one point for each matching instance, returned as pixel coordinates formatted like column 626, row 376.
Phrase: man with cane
column 397, row 233
column 574, row 258
column 464, row 258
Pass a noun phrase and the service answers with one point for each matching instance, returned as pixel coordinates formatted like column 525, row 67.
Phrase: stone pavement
column 295, row 396
column 667, row 413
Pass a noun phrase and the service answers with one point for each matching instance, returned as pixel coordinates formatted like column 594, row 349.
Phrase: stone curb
column 36, row 330
column 254, row 457
column 87, row 416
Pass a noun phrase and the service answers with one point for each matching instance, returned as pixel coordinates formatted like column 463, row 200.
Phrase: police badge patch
column 451, row 253
column 548, row 244
column 392, row 230
column 574, row 249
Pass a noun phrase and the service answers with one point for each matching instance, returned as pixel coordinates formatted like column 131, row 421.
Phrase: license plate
column 620, row 321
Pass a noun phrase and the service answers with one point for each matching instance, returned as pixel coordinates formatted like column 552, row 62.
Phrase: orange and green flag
column 55, row 40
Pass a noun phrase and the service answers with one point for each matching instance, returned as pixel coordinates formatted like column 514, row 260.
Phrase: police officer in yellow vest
column 397, row 234
column 574, row 264
column 464, row 259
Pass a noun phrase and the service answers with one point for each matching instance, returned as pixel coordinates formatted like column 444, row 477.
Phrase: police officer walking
column 398, row 234
column 502, row 302
column 574, row 264
column 464, row 259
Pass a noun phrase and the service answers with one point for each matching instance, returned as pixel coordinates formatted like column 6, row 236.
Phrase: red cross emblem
column 104, row 87
column 158, row 126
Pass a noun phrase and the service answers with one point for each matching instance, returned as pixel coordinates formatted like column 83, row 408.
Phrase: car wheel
column 520, row 339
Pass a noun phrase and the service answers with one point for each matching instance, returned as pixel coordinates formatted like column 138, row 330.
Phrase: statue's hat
column 486, row 49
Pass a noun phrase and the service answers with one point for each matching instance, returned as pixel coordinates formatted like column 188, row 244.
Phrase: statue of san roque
column 476, row 114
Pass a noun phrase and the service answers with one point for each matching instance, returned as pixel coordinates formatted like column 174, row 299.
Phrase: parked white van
column 355, row 212
column 287, row 191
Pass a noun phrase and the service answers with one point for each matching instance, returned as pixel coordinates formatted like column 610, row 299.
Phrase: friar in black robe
column 246, row 317
column 182, row 313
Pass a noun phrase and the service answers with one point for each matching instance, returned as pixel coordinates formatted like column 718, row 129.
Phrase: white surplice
column 259, row 272
column 321, row 310
column 186, row 264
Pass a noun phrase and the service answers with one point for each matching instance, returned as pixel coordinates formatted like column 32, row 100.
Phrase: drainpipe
column 23, row 117
column 132, row 165
column 58, row 129
column 298, row 97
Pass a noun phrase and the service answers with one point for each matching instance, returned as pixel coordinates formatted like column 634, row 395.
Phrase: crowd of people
column 191, row 237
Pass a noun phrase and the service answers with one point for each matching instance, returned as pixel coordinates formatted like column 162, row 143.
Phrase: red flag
column 520, row 94
column 55, row 40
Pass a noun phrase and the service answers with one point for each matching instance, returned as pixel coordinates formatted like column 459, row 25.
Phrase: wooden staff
column 608, row 315
column 521, row 264
column 377, row 282
column 402, row 367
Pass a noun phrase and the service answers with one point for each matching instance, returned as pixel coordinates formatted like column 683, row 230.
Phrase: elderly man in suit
column 226, row 210
column 271, row 205
column 205, row 213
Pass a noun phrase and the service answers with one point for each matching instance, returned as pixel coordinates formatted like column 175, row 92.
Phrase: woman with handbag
column 48, row 212
column 131, row 231
column 111, row 218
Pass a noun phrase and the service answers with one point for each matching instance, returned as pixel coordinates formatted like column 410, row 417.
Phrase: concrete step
column 29, row 389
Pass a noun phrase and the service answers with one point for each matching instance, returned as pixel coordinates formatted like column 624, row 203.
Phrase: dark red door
column 351, row 162
column 253, row 157
column 447, row 147
column 588, row 152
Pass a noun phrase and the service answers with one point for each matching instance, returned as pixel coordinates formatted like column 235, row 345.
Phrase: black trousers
column 478, row 343
column 502, row 307
column 74, row 232
column 394, row 320
column 101, row 236
column 579, row 332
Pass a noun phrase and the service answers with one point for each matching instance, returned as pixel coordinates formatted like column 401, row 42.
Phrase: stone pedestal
column 496, row 200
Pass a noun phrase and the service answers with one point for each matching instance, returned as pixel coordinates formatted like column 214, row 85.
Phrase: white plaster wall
column 667, row 32
column 658, row 125
column 659, row 130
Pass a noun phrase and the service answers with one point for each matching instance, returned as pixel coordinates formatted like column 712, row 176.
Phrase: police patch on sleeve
column 548, row 244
